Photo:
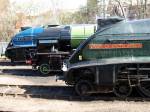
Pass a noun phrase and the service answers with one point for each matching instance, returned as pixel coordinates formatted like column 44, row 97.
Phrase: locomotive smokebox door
column 106, row 75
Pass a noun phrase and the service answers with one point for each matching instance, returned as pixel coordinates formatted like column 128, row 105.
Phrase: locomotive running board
column 138, row 69
column 54, row 53
column 145, row 80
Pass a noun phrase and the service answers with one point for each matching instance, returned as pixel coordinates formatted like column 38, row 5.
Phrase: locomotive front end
column 21, row 43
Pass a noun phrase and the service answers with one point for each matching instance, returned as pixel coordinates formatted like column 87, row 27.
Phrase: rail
column 60, row 93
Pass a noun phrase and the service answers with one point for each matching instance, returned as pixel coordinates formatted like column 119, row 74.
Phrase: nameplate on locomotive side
column 115, row 46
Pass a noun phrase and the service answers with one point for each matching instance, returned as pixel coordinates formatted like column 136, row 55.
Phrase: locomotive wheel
column 144, row 88
column 139, row 92
column 122, row 89
column 44, row 69
column 83, row 87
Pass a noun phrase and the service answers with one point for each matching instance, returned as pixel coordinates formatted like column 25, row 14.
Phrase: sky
column 43, row 5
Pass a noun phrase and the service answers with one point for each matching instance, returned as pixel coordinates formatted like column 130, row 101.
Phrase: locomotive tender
column 115, row 59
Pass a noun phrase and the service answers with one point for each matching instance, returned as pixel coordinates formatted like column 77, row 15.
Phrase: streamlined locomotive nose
column 21, row 42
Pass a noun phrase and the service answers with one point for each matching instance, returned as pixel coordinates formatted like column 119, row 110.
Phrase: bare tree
column 7, row 19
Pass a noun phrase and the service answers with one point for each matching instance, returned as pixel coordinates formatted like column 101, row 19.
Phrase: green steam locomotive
column 115, row 59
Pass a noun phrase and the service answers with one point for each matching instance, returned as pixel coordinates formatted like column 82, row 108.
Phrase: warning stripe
column 115, row 46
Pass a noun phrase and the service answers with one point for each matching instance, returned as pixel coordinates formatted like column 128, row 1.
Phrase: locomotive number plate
column 115, row 46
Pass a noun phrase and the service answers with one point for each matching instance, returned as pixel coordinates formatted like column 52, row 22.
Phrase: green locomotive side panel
column 128, row 39
column 116, row 48
column 105, row 47
column 81, row 33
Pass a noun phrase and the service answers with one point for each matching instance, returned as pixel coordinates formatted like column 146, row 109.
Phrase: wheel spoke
column 122, row 89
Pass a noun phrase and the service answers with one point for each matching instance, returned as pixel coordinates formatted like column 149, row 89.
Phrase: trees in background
column 7, row 19
column 143, row 8
column 65, row 17
column 86, row 14
column 131, row 9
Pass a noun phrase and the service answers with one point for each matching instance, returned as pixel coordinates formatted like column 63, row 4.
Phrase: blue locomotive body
column 21, row 42
column 26, row 37
column 63, row 38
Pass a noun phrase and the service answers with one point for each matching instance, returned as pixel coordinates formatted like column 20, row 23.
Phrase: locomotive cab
column 114, row 59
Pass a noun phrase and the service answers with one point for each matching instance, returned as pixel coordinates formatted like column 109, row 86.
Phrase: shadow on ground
column 57, row 92
column 68, row 93
column 9, row 63
column 20, row 72
column 21, row 69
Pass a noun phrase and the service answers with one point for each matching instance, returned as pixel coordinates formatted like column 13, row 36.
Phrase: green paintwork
column 90, row 54
column 79, row 33
column 124, row 33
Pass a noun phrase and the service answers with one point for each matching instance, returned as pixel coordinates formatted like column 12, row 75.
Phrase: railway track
column 25, row 85
column 59, row 93
column 29, row 91
column 7, row 62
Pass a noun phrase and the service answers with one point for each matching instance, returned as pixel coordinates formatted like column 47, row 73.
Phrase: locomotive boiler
column 56, row 44
column 23, row 44
column 115, row 59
